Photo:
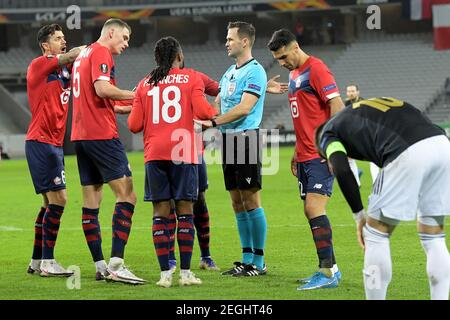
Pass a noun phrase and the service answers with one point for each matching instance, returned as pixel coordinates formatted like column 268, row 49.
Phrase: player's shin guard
column 185, row 238
column 123, row 214
column 161, row 240
column 50, row 228
column 245, row 235
column 377, row 263
column 323, row 239
column 92, row 233
column 259, row 232
column 438, row 264
column 37, row 249
column 172, row 225
column 201, row 222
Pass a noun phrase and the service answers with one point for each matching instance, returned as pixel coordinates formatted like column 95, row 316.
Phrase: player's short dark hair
column 46, row 32
column 116, row 22
column 353, row 85
column 280, row 38
column 245, row 30
column 166, row 50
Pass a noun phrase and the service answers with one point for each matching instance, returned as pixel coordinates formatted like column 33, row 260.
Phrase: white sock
column 438, row 264
column 354, row 168
column 100, row 265
column 115, row 263
column 377, row 263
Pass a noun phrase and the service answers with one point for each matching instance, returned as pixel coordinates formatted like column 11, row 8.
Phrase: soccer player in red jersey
column 201, row 213
column 100, row 154
column 48, row 89
column 313, row 98
column 166, row 103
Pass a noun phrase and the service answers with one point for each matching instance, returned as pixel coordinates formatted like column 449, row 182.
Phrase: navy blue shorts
column 46, row 164
column 165, row 180
column 202, row 176
column 314, row 177
column 101, row 161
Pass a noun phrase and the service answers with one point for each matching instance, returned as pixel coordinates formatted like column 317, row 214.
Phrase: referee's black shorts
column 241, row 160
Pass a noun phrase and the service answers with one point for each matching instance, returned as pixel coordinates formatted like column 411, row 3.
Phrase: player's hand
column 294, row 166
column 276, row 87
column 206, row 124
column 330, row 167
column 122, row 109
column 360, row 219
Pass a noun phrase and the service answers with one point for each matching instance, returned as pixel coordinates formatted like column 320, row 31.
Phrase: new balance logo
column 158, row 233
column 317, row 186
column 249, row 180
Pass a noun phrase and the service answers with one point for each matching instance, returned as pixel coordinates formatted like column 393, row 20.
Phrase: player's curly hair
column 166, row 50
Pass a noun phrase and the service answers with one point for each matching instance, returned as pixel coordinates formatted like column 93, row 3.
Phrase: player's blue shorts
column 165, row 180
column 314, row 177
column 202, row 176
column 46, row 164
column 101, row 161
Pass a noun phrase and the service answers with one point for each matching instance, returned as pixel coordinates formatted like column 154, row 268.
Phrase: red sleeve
column 43, row 66
column 136, row 117
column 201, row 108
column 122, row 102
column 322, row 80
column 101, row 64
column 211, row 86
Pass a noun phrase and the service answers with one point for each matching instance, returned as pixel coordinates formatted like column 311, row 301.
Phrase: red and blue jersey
column 166, row 114
column 93, row 117
column 48, row 90
column 310, row 88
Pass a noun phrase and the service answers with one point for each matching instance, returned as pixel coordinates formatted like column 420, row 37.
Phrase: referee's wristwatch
column 214, row 124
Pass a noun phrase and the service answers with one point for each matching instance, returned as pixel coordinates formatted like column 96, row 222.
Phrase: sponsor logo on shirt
column 104, row 68
column 65, row 95
column 254, row 87
column 329, row 87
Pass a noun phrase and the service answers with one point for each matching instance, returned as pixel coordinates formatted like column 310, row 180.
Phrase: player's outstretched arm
column 70, row 56
column 106, row 90
column 276, row 87
column 338, row 162
column 248, row 101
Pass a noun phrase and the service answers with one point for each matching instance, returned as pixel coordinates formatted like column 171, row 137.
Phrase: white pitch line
column 7, row 228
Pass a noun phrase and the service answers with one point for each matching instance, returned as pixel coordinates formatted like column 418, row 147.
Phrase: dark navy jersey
column 377, row 129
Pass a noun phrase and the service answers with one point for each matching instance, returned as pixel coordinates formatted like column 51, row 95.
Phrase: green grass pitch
column 290, row 252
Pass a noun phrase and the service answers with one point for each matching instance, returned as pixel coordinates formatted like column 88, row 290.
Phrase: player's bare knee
column 430, row 225
column 57, row 197
column 238, row 206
